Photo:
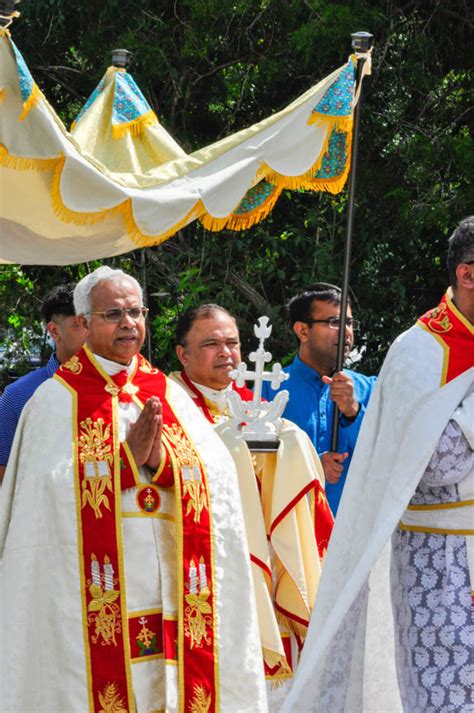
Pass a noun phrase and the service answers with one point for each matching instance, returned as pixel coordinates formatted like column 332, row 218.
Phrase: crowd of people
column 151, row 562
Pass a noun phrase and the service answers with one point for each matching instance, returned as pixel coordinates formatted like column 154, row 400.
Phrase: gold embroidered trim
column 190, row 467
column 201, row 702
column 95, row 454
column 111, row 701
column 73, row 365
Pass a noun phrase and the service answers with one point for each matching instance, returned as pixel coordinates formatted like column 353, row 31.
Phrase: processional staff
column 361, row 44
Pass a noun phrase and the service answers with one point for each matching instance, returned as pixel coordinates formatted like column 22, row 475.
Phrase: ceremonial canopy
column 118, row 180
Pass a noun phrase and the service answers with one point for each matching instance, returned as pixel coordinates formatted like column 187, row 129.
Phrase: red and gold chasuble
column 103, row 468
column 454, row 333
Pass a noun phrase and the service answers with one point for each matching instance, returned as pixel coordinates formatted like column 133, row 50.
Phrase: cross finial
column 261, row 420
column 260, row 357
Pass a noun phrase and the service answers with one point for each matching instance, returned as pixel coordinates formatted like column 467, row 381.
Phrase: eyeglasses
column 116, row 314
column 335, row 322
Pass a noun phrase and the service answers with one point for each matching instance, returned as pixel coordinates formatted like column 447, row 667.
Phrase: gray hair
column 83, row 289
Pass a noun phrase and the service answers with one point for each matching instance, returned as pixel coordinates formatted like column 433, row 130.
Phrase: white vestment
column 348, row 663
column 43, row 666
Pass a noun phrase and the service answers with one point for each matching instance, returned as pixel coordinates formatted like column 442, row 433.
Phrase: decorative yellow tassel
column 20, row 163
column 2, row 94
column 272, row 659
column 341, row 123
column 73, row 216
column 142, row 239
column 245, row 221
column 31, row 102
column 135, row 127
column 299, row 629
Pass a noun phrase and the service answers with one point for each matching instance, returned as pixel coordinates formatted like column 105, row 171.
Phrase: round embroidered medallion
column 148, row 499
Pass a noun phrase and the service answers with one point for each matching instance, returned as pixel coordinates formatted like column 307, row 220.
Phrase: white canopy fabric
column 119, row 181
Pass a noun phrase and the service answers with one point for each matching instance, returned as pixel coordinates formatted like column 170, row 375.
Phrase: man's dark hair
column 58, row 302
column 299, row 307
column 187, row 319
column 461, row 247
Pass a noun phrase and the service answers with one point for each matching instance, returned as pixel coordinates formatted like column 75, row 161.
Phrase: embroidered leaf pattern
column 111, row 700
column 101, row 598
column 201, row 702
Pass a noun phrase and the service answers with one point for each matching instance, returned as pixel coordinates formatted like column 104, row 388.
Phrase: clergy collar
column 216, row 395
column 112, row 367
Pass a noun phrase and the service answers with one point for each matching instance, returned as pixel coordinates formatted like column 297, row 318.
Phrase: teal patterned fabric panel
column 255, row 197
column 129, row 102
column 335, row 158
column 26, row 80
column 91, row 99
column 338, row 99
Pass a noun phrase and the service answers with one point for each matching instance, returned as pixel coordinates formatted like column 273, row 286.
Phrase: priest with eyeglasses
column 126, row 582
column 315, row 390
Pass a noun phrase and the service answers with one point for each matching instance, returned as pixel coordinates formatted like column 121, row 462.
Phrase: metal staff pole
column 361, row 42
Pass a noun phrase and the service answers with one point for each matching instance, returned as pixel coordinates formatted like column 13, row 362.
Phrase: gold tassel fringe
column 341, row 123
column 20, row 163
column 31, row 102
column 295, row 627
column 233, row 222
column 242, row 222
column 135, row 127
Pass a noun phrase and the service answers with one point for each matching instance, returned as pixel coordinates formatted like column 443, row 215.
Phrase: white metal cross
column 260, row 357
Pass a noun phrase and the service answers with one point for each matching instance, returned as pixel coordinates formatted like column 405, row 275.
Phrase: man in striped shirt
column 68, row 336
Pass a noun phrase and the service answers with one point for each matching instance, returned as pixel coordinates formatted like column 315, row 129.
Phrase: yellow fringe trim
column 281, row 182
column 242, row 222
column 273, row 658
column 31, row 102
column 307, row 180
column 299, row 629
column 143, row 240
column 341, row 123
column 135, row 127
column 2, row 94
column 20, row 163
column 232, row 222
column 125, row 210
column 66, row 215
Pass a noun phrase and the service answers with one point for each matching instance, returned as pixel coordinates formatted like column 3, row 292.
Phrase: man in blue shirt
column 315, row 388
column 68, row 336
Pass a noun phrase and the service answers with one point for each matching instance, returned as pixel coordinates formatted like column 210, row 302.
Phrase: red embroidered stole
column 455, row 334
column 103, row 467
column 206, row 407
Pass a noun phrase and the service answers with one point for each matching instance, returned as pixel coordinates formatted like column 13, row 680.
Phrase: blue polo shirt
column 312, row 410
column 14, row 398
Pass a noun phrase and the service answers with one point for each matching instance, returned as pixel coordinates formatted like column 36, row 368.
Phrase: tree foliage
column 211, row 67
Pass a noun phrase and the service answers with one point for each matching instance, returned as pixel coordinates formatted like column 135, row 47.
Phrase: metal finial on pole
column 8, row 12
column 121, row 58
column 361, row 43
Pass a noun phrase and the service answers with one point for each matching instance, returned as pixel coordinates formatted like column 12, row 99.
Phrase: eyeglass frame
column 351, row 323
column 123, row 311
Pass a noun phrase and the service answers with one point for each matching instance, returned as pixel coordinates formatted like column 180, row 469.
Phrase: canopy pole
column 361, row 42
